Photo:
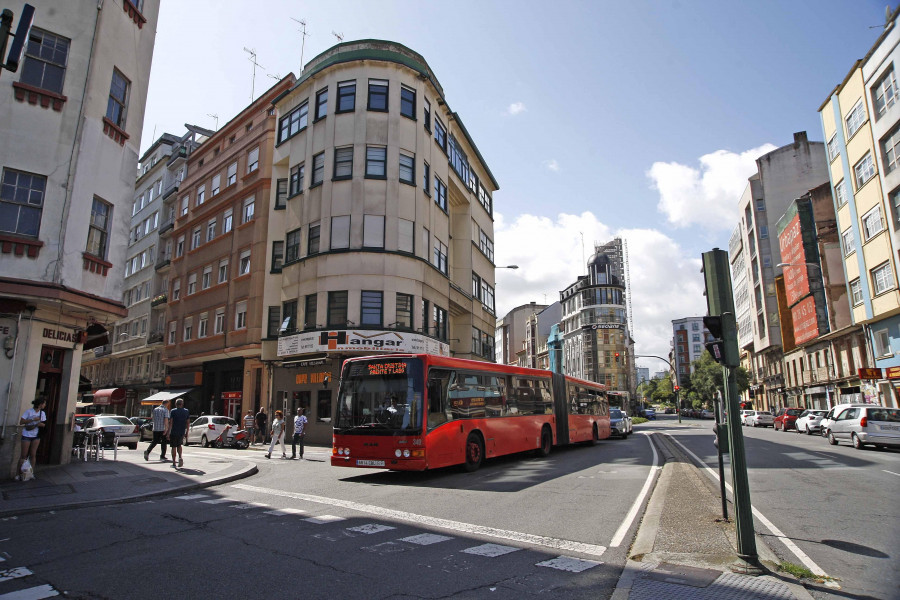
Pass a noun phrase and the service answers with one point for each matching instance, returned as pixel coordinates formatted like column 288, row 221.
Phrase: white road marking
column 407, row 517
column 249, row 505
column 323, row 519
column 218, row 500
column 570, row 564
column 891, row 472
column 426, row 539
column 371, row 528
column 619, row 537
column 490, row 550
column 35, row 593
column 14, row 574
column 800, row 554
column 192, row 497
column 280, row 512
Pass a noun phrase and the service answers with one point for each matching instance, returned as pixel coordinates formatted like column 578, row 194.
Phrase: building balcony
column 162, row 262
column 105, row 350
column 168, row 224
column 161, row 299
column 155, row 337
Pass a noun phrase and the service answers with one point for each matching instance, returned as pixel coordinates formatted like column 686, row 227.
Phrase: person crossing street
column 299, row 433
column 160, row 430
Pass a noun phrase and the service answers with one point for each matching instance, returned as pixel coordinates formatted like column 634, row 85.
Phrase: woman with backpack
column 32, row 422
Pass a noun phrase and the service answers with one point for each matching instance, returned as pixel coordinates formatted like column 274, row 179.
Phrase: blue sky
column 639, row 119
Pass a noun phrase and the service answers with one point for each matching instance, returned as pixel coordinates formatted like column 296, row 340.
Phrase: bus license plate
column 369, row 463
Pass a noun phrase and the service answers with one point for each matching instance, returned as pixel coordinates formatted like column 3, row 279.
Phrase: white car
column 745, row 414
column 207, row 429
column 832, row 414
column 761, row 418
column 810, row 421
column 127, row 432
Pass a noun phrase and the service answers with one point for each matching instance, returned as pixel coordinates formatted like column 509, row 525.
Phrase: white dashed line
column 9, row 574
column 426, row 539
column 371, row 528
column 619, row 537
column 218, row 500
column 192, row 497
column 280, row 512
column 891, row 472
column 323, row 519
column 34, row 593
column 570, row 564
column 490, row 550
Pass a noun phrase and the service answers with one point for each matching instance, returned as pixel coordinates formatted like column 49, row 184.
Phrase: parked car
column 141, row 423
column 707, row 414
column 121, row 426
column 835, row 410
column 669, row 411
column 619, row 423
column 761, row 418
column 650, row 413
column 147, row 431
column 864, row 425
column 744, row 415
column 786, row 418
column 205, row 430
column 810, row 421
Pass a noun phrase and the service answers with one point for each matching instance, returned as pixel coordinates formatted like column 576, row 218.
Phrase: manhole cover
column 99, row 473
column 37, row 492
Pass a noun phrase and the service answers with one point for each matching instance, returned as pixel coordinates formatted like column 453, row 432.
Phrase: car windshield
column 765, row 413
column 793, row 412
column 884, row 414
column 816, row 413
column 108, row 421
column 615, row 413
column 223, row 421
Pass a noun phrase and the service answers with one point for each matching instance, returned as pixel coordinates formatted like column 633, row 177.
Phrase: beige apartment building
column 214, row 302
column 70, row 124
column 380, row 226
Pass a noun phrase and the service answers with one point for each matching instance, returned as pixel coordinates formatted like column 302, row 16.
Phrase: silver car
column 865, row 425
column 126, row 431
column 832, row 414
column 761, row 418
column 810, row 421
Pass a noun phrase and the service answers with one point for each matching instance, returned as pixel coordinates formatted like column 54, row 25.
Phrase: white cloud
column 515, row 108
column 706, row 196
column 551, row 165
column 665, row 282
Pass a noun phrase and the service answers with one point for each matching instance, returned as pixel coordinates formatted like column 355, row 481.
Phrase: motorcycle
column 232, row 439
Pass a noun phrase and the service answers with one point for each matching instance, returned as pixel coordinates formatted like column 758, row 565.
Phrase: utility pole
column 722, row 325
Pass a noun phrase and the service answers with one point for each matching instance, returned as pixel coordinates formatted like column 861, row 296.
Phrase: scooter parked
column 232, row 439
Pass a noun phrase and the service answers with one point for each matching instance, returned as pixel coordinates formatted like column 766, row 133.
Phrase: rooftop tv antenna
column 303, row 33
column 339, row 36
column 216, row 117
column 252, row 59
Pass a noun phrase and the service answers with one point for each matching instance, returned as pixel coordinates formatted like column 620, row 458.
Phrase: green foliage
column 707, row 377
column 638, row 420
column 664, row 391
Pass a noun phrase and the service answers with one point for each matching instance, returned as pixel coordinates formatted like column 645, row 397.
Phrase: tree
column 707, row 378
column 664, row 392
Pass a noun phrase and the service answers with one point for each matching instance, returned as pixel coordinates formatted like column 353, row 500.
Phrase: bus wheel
column 595, row 439
column 546, row 442
column 474, row 452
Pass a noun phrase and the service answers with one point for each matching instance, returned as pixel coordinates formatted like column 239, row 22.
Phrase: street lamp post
column 671, row 368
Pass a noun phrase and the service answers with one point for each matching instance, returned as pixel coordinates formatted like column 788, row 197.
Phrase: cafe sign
column 870, row 373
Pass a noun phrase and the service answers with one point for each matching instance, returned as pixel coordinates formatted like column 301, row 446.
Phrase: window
column 309, row 311
column 201, row 195
column 277, row 255
column 486, row 245
column 840, row 193
column 426, row 177
column 485, row 199
column 337, row 309
column 340, row 232
column 406, row 236
column 288, row 317
column 426, row 114
column 378, row 95
column 196, row 237
column 203, row 326
column 376, row 159
column 321, row 104
column 227, row 221
column 856, row 292
column 318, row 174
column 281, row 192
column 763, row 232
column 864, row 170
column 211, row 230
column 855, row 119
column 118, row 98
column 253, row 160
column 216, row 185
column 373, row 231
column 884, row 93
column 889, row 148
column 223, row 270
column 882, row 278
column 440, row 323
column 184, row 205
column 459, row 161
column 882, row 344
column 440, row 193
column 293, row 123
column 179, row 247
column 487, row 295
column 292, row 246
column 760, row 205
column 273, row 322
column 231, row 174
column 343, row 163
column 244, row 265
column 370, row 308
column 45, row 61
column 240, row 315
column 440, row 134
column 173, row 327
column 312, row 242
column 407, row 102
column 346, row 99
column 894, row 198
column 219, row 326
column 404, row 311
column 833, row 150
column 249, row 208
column 206, row 280
column 440, row 256
column 476, row 286
column 296, row 181
column 21, row 202
column 872, row 223
column 192, row 284
column 407, row 169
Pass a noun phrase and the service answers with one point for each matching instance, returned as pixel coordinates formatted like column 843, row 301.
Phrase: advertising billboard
column 796, row 280
column 806, row 321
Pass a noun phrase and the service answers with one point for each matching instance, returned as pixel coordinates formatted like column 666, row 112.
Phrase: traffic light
column 617, row 358
column 677, row 388
column 715, row 346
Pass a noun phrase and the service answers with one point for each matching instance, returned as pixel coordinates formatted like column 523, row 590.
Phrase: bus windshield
column 381, row 396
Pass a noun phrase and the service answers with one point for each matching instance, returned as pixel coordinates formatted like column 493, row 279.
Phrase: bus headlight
column 406, row 453
column 397, row 453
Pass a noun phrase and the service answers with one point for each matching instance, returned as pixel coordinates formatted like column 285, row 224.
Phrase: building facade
column 512, row 330
column 688, row 341
column 383, row 238
column 70, row 121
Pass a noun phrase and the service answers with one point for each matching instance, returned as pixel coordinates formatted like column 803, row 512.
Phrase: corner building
column 381, row 228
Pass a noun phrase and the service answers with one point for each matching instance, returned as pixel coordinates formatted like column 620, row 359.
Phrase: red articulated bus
column 411, row 412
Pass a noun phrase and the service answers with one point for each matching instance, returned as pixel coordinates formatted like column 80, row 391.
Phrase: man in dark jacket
column 261, row 423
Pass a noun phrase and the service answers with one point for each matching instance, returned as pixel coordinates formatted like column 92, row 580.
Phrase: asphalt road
column 520, row 526
column 837, row 504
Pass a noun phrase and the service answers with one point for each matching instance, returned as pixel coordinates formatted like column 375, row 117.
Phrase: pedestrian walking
column 277, row 433
column 160, row 416
column 178, row 422
column 261, row 424
column 250, row 425
column 33, row 421
column 299, row 432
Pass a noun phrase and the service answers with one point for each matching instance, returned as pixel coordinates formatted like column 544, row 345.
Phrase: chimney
column 800, row 137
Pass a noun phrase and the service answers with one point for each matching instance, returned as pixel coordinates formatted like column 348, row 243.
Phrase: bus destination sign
column 387, row 368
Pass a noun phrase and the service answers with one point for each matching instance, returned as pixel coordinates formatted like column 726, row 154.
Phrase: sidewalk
column 126, row 479
column 683, row 549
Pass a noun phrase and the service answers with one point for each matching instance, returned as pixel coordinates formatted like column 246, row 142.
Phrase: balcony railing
column 102, row 350
column 163, row 262
column 161, row 299
column 155, row 337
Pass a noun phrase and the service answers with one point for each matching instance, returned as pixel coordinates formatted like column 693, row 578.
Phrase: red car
column 786, row 418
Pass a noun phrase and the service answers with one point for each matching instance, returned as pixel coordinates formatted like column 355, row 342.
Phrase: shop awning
column 110, row 396
column 83, row 404
column 166, row 395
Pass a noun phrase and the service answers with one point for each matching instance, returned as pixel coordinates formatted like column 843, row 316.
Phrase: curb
column 246, row 472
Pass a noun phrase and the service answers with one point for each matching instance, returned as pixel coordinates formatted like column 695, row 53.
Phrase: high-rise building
column 688, row 339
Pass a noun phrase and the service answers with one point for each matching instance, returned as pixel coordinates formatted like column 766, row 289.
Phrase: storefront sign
column 303, row 378
column 869, row 373
column 360, row 341
column 605, row 326
column 66, row 336
column 892, row 373
column 232, row 395
column 185, row 379
column 806, row 321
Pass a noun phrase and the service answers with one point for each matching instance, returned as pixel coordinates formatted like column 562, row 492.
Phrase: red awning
column 110, row 396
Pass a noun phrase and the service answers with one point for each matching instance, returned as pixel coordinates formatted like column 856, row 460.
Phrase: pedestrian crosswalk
column 566, row 563
column 14, row 585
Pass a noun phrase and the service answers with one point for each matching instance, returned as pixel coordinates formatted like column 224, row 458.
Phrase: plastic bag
column 27, row 470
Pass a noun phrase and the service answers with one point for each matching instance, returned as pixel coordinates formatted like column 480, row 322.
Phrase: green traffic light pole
column 671, row 368
column 720, row 302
